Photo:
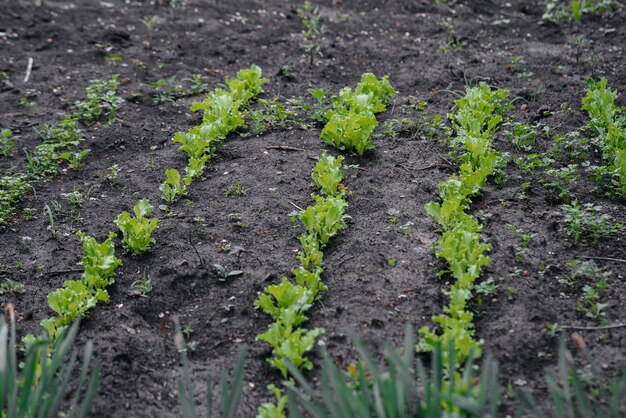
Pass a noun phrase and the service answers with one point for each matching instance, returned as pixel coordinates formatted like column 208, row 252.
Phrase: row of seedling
column 60, row 144
column 608, row 124
column 349, row 125
column 287, row 302
column 99, row 263
column 475, row 119
column 222, row 114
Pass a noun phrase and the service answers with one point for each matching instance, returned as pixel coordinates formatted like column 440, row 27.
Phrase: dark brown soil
column 133, row 336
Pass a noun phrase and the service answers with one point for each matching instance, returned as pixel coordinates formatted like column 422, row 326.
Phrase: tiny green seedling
column 236, row 190
column 404, row 229
column 6, row 143
column 522, row 136
column 76, row 199
column 74, row 159
column 313, row 35
column 322, row 104
column 517, row 63
column 223, row 246
column 236, row 219
column 272, row 114
column 150, row 22
column 141, row 287
column 112, row 175
column 223, row 274
column 191, row 345
column 525, row 239
column 392, row 215
column 51, row 228
column 486, row 288
column 102, row 99
column 29, row 214
column 197, row 84
column 11, row 287
column 586, row 221
column 511, row 293
column 558, row 183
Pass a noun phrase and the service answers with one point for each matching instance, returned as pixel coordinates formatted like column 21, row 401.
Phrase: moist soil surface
column 412, row 42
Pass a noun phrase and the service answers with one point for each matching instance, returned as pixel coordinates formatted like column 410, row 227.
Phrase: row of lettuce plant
column 222, row 114
column 77, row 297
column 60, row 144
column 608, row 124
column 349, row 126
column 287, row 302
column 475, row 119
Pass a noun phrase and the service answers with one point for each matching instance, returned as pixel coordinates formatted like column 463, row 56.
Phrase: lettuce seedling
column 172, row 188
column 311, row 255
column 608, row 123
column 99, row 261
column 200, row 140
column 310, row 279
column 327, row 174
column 480, row 111
column 381, row 90
column 350, row 131
column 137, row 231
column 247, row 85
column 289, row 344
column 195, row 168
column 221, row 109
column 285, row 295
column 325, row 218
column 70, row 302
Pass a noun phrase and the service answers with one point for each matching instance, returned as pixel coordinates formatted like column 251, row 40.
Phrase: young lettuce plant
column 172, row 188
column 76, row 297
column 137, row 231
column 352, row 121
column 350, row 131
column 325, row 218
column 99, row 261
column 289, row 342
column 327, row 174
column 71, row 302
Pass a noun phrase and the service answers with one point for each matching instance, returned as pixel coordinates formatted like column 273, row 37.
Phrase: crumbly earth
column 70, row 41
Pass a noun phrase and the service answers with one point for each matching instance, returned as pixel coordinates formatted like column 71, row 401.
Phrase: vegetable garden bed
column 234, row 214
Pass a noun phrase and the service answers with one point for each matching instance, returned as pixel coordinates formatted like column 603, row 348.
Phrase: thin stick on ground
column 619, row 260
column 296, row 206
column 196, row 250
column 29, row 69
column 284, row 148
column 598, row 328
